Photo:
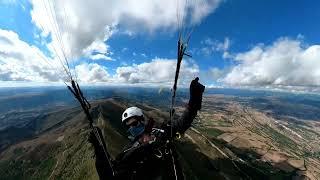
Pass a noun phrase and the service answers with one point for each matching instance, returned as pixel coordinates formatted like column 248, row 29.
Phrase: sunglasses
column 133, row 124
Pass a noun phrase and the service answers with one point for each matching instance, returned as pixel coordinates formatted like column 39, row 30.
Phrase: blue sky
column 230, row 27
column 245, row 22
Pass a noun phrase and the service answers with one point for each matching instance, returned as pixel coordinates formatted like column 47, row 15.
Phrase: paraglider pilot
column 151, row 154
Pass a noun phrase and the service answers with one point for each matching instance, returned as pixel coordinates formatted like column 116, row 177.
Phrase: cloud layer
column 286, row 62
column 20, row 61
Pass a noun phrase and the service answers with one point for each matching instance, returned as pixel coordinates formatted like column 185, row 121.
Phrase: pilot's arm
column 184, row 122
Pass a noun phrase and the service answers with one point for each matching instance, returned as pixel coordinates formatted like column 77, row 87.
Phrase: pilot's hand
column 196, row 91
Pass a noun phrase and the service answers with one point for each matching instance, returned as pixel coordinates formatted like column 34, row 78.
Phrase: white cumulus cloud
column 20, row 61
column 92, row 73
column 285, row 63
column 157, row 71
column 210, row 46
column 84, row 26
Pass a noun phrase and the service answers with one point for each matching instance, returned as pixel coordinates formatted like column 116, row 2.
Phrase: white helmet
column 131, row 112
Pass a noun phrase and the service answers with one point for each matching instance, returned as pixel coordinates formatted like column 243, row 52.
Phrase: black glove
column 196, row 91
column 103, row 159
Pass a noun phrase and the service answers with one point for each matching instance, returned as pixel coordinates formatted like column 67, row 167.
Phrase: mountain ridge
column 60, row 144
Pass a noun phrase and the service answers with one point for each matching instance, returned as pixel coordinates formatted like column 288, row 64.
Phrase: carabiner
column 158, row 155
column 178, row 135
